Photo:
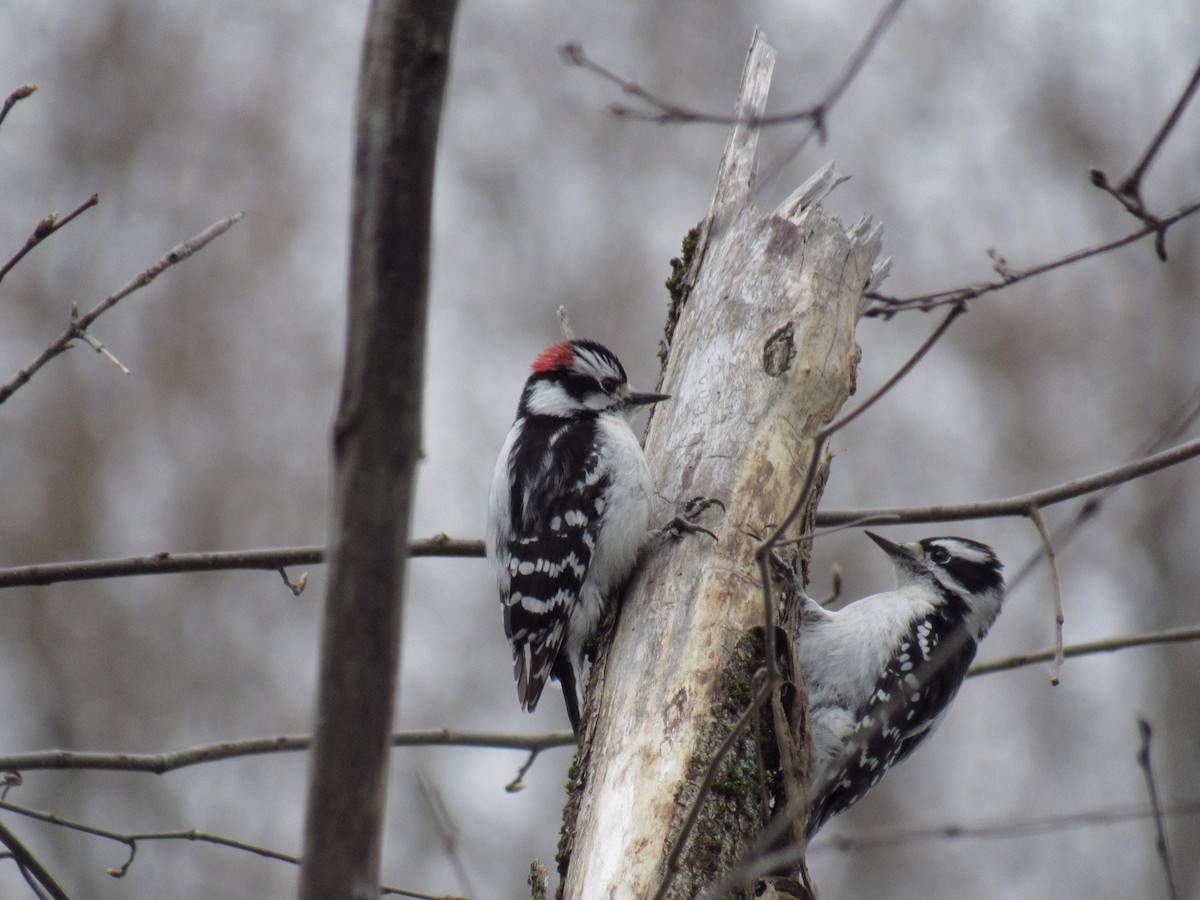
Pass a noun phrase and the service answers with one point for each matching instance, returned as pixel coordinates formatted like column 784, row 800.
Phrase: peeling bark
column 761, row 355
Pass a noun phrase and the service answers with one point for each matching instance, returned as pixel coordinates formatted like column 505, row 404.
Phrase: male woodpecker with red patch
column 569, row 511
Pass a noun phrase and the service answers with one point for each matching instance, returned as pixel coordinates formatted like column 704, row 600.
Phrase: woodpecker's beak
column 900, row 554
column 634, row 399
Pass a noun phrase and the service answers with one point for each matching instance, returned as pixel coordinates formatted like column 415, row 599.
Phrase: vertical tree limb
column 763, row 356
column 376, row 442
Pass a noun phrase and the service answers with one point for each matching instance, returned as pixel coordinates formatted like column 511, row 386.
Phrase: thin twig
column 1131, row 183
column 11, row 100
column 878, row 27
column 159, row 763
column 49, row 224
column 1019, row 504
column 1107, row 645
column 830, row 430
column 775, row 538
column 564, row 323
column 296, row 587
column 80, row 324
column 447, row 831
column 132, row 839
column 86, row 336
column 764, row 552
column 1129, row 191
column 756, row 865
column 819, row 114
column 668, row 111
column 218, row 561
column 516, row 785
column 1160, row 842
column 823, row 436
column 1178, row 423
column 441, row 545
column 1035, row 515
column 573, row 54
column 1018, row 828
column 31, row 866
column 888, row 306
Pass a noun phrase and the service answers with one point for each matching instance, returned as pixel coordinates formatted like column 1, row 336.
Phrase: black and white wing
column 911, row 695
column 555, row 486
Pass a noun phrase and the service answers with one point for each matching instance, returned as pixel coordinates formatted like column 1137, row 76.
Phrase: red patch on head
column 556, row 356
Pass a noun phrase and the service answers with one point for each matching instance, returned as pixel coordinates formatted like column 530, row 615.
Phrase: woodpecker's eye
column 940, row 555
column 608, row 385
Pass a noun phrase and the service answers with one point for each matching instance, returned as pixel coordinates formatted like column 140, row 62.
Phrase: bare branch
column 822, row 439
column 296, row 587
column 888, row 306
column 1132, row 183
column 878, row 27
column 176, row 255
column 1020, row 504
column 11, row 100
column 1017, row 828
column 573, row 55
column 564, row 323
column 665, row 111
column 516, row 785
column 88, row 339
column 49, row 224
column 1160, row 842
column 81, row 323
column 160, row 763
column 31, row 867
column 1035, row 516
column 165, row 563
column 1107, row 645
column 819, row 114
column 446, row 830
column 132, row 839
column 441, row 545
column 927, row 345
column 1129, row 191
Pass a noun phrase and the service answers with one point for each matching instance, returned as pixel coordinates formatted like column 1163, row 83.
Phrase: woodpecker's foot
column 685, row 522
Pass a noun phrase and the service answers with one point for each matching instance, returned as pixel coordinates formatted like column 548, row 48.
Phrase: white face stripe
column 971, row 568
column 547, row 398
column 588, row 362
column 972, row 553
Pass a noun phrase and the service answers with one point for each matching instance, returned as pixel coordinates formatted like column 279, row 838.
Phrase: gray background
column 971, row 127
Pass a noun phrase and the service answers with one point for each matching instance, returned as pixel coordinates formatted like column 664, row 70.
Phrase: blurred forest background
column 971, row 127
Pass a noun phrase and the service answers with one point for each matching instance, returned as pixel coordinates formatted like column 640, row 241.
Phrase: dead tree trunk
column 761, row 355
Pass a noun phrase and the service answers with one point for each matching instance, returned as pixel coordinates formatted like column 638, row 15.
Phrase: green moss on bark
column 731, row 815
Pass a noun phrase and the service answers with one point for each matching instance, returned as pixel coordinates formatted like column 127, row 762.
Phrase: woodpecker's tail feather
column 531, row 680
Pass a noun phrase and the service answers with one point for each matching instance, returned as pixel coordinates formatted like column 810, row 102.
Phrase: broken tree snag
column 762, row 355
